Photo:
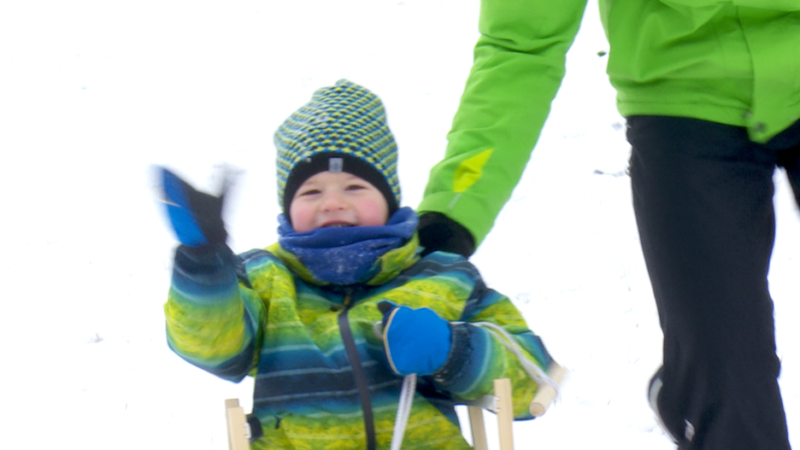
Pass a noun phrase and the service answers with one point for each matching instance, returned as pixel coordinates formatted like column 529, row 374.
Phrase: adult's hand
column 438, row 232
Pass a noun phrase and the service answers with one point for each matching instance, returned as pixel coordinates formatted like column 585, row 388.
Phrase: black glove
column 438, row 232
column 196, row 217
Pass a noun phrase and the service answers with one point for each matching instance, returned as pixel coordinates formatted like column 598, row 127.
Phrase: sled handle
column 547, row 393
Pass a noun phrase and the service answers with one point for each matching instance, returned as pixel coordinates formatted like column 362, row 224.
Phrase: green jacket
column 263, row 314
column 733, row 62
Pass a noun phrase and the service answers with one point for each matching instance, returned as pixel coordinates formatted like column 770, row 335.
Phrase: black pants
column 702, row 195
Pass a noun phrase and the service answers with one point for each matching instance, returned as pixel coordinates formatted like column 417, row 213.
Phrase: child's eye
column 355, row 187
column 309, row 192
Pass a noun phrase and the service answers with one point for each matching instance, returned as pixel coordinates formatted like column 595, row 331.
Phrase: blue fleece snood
column 347, row 255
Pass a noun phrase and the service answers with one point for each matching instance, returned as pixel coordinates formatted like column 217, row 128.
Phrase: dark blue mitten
column 415, row 340
column 196, row 217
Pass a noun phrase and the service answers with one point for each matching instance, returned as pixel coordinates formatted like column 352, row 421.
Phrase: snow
column 93, row 94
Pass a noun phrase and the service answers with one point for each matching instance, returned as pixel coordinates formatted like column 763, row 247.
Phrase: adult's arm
column 519, row 62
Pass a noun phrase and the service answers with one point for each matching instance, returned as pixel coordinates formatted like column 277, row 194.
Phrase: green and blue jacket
column 262, row 314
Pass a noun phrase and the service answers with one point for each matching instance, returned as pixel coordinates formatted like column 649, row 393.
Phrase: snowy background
column 94, row 93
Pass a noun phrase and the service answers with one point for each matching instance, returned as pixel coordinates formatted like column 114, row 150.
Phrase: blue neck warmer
column 347, row 255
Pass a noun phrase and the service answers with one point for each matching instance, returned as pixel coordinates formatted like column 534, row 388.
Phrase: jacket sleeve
column 519, row 62
column 214, row 320
column 778, row 5
column 481, row 352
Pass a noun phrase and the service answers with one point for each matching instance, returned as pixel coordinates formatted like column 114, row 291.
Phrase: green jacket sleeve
column 778, row 5
column 519, row 62
column 213, row 320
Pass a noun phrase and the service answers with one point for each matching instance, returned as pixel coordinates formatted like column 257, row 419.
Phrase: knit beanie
column 342, row 129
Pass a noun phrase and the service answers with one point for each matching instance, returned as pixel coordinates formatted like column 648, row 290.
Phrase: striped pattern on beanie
column 342, row 128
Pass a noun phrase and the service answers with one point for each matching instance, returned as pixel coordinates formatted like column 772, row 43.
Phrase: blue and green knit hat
column 342, row 129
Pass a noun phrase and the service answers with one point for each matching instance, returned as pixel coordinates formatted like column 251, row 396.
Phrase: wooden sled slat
column 238, row 429
column 504, row 409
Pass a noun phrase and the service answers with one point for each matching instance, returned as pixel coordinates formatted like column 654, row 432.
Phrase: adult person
column 711, row 93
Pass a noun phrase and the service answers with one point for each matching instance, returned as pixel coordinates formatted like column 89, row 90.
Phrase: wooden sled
column 500, row 403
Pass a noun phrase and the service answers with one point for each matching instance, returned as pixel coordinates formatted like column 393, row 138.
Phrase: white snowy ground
column 93, row 93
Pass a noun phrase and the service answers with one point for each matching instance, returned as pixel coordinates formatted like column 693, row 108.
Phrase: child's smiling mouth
column 337, row 225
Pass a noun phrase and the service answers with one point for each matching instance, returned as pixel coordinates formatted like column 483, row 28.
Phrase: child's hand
column 415, row 340
column 196, row 217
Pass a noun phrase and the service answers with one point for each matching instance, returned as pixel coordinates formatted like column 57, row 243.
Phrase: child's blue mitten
column 415, row 340
column 196, row 217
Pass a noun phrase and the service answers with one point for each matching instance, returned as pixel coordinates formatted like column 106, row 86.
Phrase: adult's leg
column 703, row 201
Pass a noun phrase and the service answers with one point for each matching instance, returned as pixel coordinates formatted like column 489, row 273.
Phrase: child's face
column 336, row 199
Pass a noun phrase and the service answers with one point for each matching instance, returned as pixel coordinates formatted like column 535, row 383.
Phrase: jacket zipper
column 358, row 371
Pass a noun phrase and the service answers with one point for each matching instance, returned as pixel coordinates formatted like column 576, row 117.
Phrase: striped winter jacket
column 261, row 313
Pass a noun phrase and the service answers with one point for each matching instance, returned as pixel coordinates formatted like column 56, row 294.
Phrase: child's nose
column 333, row 200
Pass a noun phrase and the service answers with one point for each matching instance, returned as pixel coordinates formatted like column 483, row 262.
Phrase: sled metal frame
column 500, row 403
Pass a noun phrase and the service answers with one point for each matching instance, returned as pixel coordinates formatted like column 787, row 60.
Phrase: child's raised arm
column 213, row 320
